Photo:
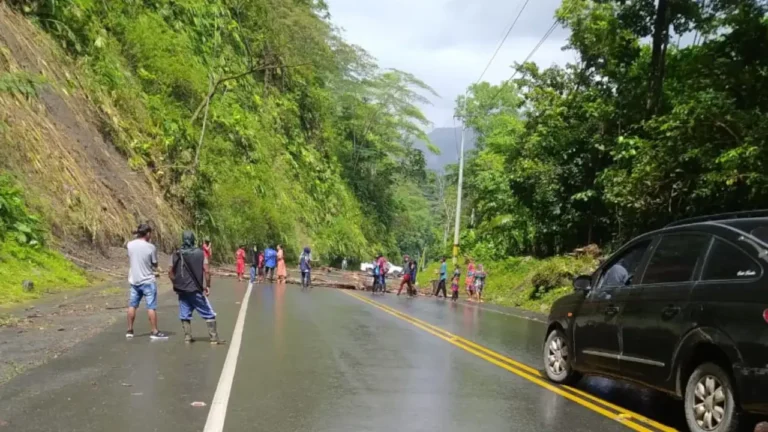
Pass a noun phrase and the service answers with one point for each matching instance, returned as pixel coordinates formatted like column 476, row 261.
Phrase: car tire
column 557, row 359
column 709, row 393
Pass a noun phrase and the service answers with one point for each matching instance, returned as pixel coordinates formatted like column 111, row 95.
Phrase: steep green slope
column 255, row 119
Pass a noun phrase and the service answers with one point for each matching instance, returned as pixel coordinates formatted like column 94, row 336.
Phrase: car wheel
column 557, row 359
column 710, row 403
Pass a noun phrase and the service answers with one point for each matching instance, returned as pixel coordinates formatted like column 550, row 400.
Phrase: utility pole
column 458, row 201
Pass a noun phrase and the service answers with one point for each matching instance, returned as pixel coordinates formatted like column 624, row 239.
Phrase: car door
column 596, row 332
column 731, row 297
column 660, row 312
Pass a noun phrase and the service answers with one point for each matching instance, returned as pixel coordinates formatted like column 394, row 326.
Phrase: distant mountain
column 447, row 140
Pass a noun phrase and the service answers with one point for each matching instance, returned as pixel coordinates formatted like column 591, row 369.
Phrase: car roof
column 722, row 217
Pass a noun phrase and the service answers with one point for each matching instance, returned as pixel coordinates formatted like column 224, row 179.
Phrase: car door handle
column 611, row 310
column 670, row 311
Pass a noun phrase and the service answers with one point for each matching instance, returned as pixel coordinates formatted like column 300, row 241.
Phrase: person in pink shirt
column 207, row 249
column 383, row 269
column 469, row 281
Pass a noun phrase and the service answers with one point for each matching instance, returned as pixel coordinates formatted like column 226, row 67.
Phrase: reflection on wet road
column 521, row 339
column 324, row 360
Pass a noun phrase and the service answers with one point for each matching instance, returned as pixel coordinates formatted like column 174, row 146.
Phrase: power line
column 531, row 54
column 504, row 39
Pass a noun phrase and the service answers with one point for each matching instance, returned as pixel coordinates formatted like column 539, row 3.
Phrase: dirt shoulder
column 34, row 333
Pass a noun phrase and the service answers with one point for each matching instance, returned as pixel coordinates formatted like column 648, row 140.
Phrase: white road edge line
column 218, row 412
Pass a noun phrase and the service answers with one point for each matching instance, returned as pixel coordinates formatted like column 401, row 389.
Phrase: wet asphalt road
column 318, row 360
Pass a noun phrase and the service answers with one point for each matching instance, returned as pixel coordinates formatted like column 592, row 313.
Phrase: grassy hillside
column 47, row 269
column 24, row 255
column 528, row 283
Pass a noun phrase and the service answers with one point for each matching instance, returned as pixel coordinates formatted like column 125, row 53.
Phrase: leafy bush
column 523, row 282
column 558, row 272
column 15, row 220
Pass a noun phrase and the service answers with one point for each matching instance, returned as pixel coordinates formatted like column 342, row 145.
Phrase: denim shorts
column 148, row 291
column 195, row 301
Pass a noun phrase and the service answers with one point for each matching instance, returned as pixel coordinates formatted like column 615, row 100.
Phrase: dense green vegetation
column 524, row 282
column 23, row 255
column 664, row 116
column 257, row 118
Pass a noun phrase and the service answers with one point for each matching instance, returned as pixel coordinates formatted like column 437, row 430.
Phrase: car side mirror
column 582, row 283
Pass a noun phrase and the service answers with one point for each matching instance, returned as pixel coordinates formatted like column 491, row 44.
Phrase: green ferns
column 16, row 223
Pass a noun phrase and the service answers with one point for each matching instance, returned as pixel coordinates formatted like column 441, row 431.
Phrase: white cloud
column 447, row 43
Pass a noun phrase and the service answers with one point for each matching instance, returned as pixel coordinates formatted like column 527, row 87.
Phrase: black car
column 683, row 310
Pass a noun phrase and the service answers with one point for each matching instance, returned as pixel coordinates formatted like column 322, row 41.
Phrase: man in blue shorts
column 143, row 259
column 192, row 283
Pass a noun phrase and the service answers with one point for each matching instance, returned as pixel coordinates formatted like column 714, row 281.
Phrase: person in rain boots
column 188, row 272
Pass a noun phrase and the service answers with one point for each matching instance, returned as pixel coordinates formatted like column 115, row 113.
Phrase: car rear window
column 728, row 262
column 761, row 233
column 675, row 258
column 757, row 227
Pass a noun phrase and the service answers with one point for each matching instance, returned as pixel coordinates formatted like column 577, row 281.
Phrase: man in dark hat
column 143, row 260
column 192, row 282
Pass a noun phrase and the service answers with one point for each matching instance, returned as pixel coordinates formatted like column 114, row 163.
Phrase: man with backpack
column 188, row 271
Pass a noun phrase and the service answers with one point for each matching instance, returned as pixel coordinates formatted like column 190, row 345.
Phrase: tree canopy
column 662, row 117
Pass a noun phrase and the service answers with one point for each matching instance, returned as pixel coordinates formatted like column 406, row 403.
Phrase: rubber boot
column 187, row 327
column 214, row 333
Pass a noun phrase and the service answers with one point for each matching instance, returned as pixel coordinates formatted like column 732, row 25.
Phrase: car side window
column 676, row 257
column 621, row 270
column 728, row 262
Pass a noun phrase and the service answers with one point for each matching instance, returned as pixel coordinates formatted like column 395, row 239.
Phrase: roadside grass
column 48, row 270
column 523, row 282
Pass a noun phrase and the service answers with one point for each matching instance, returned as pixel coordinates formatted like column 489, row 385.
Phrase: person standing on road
column 282, row 272
column 469, row 281
column 240, row 258
column 188, row 271
column 305, row 265
column 344, row 264
column 260, row 266
column 414, row 271
column 254, row 263
column 455, row 286
column 383, row 265
column 406, row 280
column 270, row 261
column 480, row 276
column 443, row 278
column 207, row 249
column 143, row 261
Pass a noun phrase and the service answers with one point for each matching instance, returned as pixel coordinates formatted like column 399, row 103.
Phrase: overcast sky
column 447, row 43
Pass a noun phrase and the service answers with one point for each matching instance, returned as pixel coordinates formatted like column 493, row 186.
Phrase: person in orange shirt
column 240, row 257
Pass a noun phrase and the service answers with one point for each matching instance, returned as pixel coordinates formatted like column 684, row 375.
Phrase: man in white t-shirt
column 143, row 258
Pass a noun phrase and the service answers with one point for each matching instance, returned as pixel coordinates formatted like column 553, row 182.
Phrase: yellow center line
column 534, row 371
column 623, row 416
